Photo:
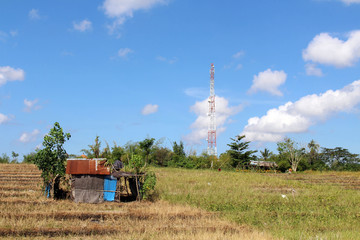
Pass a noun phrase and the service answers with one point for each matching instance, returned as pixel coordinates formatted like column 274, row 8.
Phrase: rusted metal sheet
column 87, row 166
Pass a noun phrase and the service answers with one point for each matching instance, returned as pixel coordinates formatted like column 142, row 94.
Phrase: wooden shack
column 95, row 181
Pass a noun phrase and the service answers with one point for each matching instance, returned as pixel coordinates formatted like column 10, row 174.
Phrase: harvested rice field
column 26, row 213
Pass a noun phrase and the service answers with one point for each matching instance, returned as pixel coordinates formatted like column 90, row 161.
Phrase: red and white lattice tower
column 211, row 150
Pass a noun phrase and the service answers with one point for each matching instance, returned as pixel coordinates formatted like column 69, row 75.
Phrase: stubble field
column 193, row 204
column 26, row 213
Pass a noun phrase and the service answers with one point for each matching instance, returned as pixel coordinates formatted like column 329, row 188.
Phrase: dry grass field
column 26, row 213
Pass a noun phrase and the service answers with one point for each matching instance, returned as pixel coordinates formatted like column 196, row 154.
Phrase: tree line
column 290, row 155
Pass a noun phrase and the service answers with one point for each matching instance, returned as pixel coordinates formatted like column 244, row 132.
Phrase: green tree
column 4, row 158
column 145, row 146
column 178, row 149
column 292, row 152
column 14, row 156
column 240, row 156
column 51, row 159
column 179, row 158
column 94, row 151
column 162, row 156
column 116, row 152
column 224, row 161
column 266, row 154
column 313, row 156
column 29, row 158
column 340, row 159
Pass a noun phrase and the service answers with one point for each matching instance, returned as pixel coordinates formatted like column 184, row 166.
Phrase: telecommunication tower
column 211, row 150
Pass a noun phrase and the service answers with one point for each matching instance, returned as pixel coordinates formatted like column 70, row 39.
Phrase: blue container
column 109, row 188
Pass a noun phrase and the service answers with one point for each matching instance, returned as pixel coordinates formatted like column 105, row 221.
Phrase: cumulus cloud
column 8, row 74
column 120, row 10
column 328, row 50
column 297, row 117
column 200, row 126
column 82, row 26
column 124, row 52
column 34, row 14
column 149, row 109
column 31, row 105
column 27, row 137
column 312, row 70
column 268, row 81
column 3, row 118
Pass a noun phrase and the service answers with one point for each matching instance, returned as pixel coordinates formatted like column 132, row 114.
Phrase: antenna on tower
column 211, row 150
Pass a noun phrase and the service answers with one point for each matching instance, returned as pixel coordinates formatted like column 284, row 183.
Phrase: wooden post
column 119, row 189
column 137, row 188
column 126, row 180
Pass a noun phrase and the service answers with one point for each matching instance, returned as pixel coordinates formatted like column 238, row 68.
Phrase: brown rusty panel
column 87, row 166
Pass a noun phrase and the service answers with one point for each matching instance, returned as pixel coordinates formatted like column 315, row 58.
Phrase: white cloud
column 200, row 127
column 14, row 33
column 123, row 52
column 3, row 118
column 29, row 137
column 3, row 36
column 164, row 59
column 82, row 26
column 297, row 117
column 8, row 74
column 31, row 105
column 239, row 54
column 197, row 92
column 268, row 81
column 350, row 1
column 120, row 10
column 113, row 28
column 312, row 70
column 328, row 50
column 149, row 109
column 66, row 53
column 34, row 14
column 239, row 66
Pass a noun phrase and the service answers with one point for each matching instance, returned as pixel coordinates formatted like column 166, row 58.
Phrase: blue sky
column 130, row 69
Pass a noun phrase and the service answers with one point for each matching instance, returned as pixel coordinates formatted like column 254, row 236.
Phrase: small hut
column 94, row 181
column 263, row 165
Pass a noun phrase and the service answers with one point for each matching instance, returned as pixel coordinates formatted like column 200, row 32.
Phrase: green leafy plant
column 148, row 187
column 51, row 159
column 136, row 164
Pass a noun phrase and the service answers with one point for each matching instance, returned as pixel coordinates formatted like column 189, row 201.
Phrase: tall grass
column 286, row 208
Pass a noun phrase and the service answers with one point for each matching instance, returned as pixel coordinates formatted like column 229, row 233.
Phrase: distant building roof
column 263, row 164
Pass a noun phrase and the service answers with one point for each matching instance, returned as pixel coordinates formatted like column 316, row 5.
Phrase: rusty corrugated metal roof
column 87, row 166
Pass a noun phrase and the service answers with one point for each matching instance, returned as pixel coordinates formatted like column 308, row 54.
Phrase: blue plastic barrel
column 109, row 188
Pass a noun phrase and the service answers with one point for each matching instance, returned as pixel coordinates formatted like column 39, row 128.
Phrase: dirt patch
column 53, row 232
